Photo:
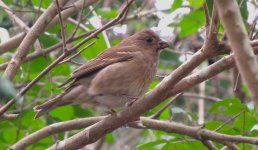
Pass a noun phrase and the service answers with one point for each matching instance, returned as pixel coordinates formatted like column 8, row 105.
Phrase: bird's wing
column 108, row 57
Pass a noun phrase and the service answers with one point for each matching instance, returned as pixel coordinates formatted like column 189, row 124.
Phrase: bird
column 116, row 77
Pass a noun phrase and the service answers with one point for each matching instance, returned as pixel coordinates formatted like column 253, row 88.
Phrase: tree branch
column 12, row 42
column 206, row 73
column 8, row 117
column 53, row 129
column 245, row 59
column 195, row 132
column 62, row 25
column 29, row 39
column 170, row 127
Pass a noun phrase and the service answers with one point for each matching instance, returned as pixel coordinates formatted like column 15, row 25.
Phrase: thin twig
column 16, row 19
column 78, row 53
column 79, row 21
column 252, row 29
column 8, row 117
column 158, row 113
column 230, row 145
column 231, row 119
column 237, row 82
column 62, row 26
column 210, row 98
column 208, row 144
column 207, row 18
column 75, row 63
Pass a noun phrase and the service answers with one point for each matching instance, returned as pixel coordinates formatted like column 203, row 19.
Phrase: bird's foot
column 131, row 100
column 110, row 112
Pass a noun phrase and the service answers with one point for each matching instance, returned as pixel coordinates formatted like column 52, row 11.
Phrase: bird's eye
column 149, row 40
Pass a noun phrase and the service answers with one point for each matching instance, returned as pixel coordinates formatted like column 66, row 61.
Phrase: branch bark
column 239, row 42
column 53, row 129
column 170, row 127
column 12, row 42
column 195, row 132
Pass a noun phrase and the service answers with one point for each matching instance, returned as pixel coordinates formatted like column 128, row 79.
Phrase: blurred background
column 179, row 22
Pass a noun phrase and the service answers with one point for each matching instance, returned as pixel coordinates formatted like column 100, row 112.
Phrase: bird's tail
column 47, row 106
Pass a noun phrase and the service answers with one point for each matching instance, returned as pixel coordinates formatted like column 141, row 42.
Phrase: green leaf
column 115, row 42
column 107, row 13
column 246, row 121
column 191, row 23
column 2, row 15
column 95, row 49
column 5, row 22
column 228, row 107
column 63, row 69
column 29, row 121
column 63, row 113
column 9, row 135
column 153, row 84
column 210, row 5
column 169, row 58
column 110, row 138
column 243, row 9
column 42, row 144
column 192, row 116
column 165, row 114
column 246, row 91
column 151, row 145
column 196, row 3
column 184, row 145
column 226, row 129
column 212, row 125
column 176, row 4
column 82, row 112
column 36, row 66
column 44, row 4
column 48, row 40
column 254, row 133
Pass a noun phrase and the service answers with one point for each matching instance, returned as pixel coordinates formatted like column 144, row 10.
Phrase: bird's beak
column 163, row 45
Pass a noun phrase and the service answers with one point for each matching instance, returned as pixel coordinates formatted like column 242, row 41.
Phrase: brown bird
column 116, row 77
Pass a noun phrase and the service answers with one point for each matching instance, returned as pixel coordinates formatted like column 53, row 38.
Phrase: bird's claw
column 131, row 101
column 110, row 112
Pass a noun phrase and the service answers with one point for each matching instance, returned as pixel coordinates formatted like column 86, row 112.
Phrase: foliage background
column 181, row 24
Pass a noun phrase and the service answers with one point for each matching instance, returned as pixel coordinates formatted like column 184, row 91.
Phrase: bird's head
column 148, row 40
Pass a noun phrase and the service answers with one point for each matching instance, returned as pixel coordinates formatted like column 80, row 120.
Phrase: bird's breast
column 130, row 78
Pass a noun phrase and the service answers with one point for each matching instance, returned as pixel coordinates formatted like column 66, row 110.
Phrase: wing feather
column 108, row 57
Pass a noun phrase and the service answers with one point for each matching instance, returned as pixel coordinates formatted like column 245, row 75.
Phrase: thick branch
column 239, row 42
column 11, row 43
column 171, row 127
column 206, row 73
column 53, row 129
column 195, row 132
